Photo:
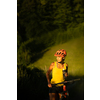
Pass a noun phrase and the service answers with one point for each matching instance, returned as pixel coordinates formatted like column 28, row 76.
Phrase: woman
column 57, row 74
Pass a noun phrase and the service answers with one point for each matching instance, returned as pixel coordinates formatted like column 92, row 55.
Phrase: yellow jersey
column 57, row 74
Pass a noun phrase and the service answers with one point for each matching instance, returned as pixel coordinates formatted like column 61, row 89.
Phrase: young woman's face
column 59, row 59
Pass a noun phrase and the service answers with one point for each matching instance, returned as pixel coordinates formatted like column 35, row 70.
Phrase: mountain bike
column 65, row 93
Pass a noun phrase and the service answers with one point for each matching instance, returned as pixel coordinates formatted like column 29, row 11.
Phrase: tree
column 62, row 13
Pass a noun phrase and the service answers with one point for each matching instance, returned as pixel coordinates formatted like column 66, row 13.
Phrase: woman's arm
column 48, row 73
column 66, row 74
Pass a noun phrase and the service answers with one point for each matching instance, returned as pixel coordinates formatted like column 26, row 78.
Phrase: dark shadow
column 31, row 84
column 76, row 88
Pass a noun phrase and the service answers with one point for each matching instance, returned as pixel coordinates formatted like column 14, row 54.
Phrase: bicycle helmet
column 60, row 53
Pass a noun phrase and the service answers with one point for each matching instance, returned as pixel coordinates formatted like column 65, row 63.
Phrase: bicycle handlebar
column 67, row 81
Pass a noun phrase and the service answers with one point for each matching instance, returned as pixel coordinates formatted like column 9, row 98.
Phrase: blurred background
column 43, row 27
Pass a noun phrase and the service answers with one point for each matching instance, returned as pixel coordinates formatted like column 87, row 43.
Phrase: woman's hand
column 49, row 85
column 66, row 74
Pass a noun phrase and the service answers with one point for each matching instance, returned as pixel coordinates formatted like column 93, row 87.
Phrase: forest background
column 42, row 24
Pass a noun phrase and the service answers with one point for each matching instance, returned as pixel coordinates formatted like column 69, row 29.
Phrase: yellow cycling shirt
column 57, row 74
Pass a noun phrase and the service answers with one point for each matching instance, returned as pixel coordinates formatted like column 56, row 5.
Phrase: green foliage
column 62, row 15
column 19, row 40
column 78, row 11
column 61, row 36
column 38, row 17
column 23, row 54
